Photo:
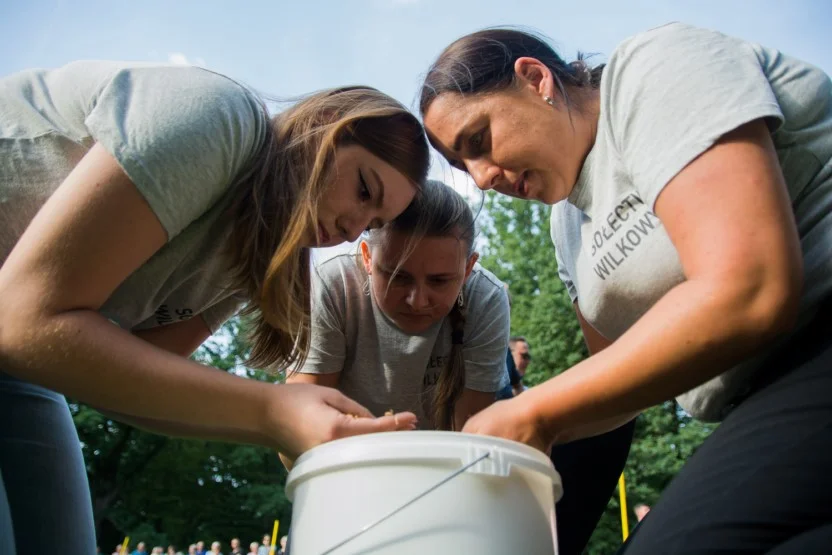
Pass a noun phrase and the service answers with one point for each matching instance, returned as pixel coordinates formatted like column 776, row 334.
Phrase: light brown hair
column 275, row 205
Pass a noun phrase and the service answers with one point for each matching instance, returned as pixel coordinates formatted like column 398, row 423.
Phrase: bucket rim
column 418, row 446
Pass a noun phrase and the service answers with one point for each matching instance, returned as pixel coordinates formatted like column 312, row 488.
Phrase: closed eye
column 363, row 189
column 475, row 142
column 456, row 164
column 375, row 224
column 402, row 278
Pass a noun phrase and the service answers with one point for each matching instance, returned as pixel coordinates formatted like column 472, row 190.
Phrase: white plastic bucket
column 505, row 504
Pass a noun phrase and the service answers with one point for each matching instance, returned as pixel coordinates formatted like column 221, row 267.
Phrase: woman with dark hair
column 692, row 186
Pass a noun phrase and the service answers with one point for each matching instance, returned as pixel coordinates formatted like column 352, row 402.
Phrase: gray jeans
column 44, row 493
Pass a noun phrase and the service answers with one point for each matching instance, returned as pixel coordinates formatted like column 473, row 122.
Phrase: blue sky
column 290, row 48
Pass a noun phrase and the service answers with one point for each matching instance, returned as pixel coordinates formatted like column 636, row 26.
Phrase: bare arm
column 53, row 284
column 180, row 338
column 596, row 343
column 93, row 232
column 326, row 380
column 742, row 289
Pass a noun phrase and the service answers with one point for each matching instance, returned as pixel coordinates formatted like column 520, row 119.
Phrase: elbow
column 768, row 308
column 24, row 331
column 777, row 313
column 17, row 337
column 11, row 330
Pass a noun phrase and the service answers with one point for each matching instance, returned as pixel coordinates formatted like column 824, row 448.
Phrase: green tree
column 518, row 249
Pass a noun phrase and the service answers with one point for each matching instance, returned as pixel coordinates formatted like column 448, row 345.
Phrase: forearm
column 82, row 355
column 597, row 428
column 326, row 380
column 177, row 429
column 695, row 332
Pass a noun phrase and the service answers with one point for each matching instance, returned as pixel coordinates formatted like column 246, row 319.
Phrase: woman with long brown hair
column 140, row 207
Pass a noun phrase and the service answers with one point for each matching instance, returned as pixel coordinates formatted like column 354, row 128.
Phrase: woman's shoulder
column 665, row 44
column 483, row 286
column 342, row 269
column 178, row 94
column 670, row 32
column 155, row 75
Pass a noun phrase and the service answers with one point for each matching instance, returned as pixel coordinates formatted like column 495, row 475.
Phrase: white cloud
column 180, row 59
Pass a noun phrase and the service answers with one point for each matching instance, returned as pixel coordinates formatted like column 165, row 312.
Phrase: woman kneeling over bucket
column 415, row 324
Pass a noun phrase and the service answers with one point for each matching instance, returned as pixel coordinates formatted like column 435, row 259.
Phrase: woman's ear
column 534, row 74
column 471, row 261
column 366, row 258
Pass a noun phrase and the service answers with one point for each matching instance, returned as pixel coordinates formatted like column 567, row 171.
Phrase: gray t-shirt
column 667, row 95
column 183, row 135
column 384, row 368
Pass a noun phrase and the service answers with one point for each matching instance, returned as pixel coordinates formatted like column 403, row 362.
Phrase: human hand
column 513, row 419
column 304, row 416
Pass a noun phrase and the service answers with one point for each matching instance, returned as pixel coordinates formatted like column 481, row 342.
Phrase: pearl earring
column 549, row 100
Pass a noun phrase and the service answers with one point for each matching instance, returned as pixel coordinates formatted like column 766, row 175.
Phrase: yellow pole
column 274, row 535
column 123, row 550
column 622, row 496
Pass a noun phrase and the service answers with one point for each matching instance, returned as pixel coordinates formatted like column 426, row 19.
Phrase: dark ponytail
column 452, row 378
column 483, row 62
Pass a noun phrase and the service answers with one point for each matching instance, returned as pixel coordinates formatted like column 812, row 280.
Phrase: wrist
column 537, row 406
column 271, row 407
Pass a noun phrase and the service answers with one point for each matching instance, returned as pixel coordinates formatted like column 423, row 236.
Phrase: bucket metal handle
column 403, row 506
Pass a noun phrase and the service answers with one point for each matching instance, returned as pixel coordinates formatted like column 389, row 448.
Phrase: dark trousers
column 762, row 482
column 45, row 504
column 589, row 469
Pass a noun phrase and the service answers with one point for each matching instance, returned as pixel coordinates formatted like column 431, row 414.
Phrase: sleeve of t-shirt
column 215, row 316
column 563, row 274
column 558, row 235
column 486, row 337
column 328, row 345
column 182, row 135
column 672, row 92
